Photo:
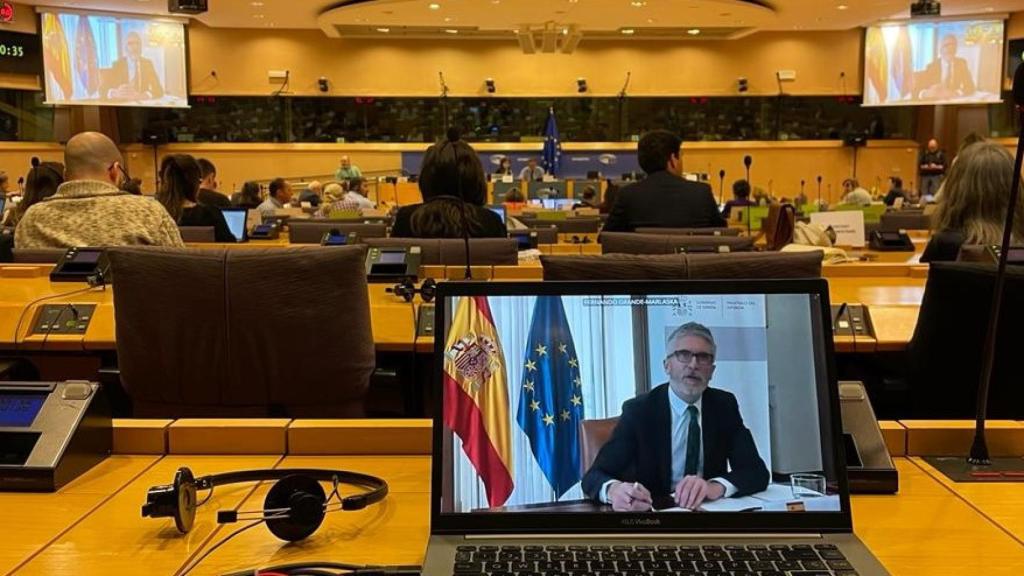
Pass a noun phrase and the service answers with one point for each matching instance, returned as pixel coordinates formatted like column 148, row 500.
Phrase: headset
column 407, row 290
column 294, row 507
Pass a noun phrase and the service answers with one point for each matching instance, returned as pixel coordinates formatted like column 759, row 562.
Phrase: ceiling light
column 693, row 31
column 447, row 18
column 638, row 3
column 257, row 4
column 842, row 7
column 384, row 30
column 451, row 31
column 628, row 31
column 434, row 6
column 258, row 16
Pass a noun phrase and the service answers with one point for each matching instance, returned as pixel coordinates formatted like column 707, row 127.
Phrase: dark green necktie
column 692, row 442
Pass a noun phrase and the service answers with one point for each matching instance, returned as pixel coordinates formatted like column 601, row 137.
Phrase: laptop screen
column 235, row 218
column 582, row 399
column 499, row 210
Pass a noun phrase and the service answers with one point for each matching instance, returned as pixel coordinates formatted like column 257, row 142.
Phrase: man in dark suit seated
column 664, row 199
column 131, row 77
column 947, row 76
column 681, row 439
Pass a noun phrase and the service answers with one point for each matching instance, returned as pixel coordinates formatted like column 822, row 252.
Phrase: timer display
column 20, row 53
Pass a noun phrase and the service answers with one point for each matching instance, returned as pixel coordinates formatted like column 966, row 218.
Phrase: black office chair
column 945, row 354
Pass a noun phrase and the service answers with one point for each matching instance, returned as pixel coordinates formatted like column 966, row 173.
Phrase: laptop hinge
column 631, row 536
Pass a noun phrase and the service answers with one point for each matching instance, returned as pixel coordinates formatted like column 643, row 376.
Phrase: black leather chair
column 724, row 231
column 449, row 251
column 945, row 354
column 905, row 220
column 739, row 265
column 633, row 243
column 197, row 233
column 312, row 231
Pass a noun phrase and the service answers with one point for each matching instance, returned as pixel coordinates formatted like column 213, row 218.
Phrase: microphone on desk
column 721, row 186
column 747, row 161
column 819, row 190
column 979, row 448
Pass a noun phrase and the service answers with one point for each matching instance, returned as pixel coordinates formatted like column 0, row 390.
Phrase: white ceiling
column 594, row 16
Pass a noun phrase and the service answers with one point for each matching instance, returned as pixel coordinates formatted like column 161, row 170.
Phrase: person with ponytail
column 180, row 179
column 454, row 191
column 41, row 182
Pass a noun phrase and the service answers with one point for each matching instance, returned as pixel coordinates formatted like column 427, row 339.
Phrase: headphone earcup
column 185, row 488
column 304, row 499
column 428, row 290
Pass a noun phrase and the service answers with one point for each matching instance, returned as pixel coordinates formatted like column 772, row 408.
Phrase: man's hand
column 629, row 497
column 692, row 491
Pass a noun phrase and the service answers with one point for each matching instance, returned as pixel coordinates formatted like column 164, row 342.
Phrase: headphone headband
column 378, row 488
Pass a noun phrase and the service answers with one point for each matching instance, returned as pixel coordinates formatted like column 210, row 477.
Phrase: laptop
column 560, row 420
column 236, row 220
column 498, row 209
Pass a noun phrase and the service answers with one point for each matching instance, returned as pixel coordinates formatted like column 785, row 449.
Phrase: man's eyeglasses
column 685, row 356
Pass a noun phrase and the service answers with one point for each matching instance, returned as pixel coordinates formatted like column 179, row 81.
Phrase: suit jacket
column 117, row 75
column 664, row 200
column 961, row 77
column 640, row 448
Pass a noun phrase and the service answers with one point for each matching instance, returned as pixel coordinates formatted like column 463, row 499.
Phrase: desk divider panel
column 228, row 436
column 138, row 436
column 954, row 437
column 360, row 437
column 895, row 437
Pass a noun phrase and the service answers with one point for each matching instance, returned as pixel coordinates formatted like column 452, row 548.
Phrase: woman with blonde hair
column 973, row 206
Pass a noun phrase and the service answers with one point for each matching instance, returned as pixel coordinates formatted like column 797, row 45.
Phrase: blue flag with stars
column 552, row 145
column 551, row 398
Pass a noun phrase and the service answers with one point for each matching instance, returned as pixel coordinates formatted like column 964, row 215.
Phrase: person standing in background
column 347, row 171
column 932, row 167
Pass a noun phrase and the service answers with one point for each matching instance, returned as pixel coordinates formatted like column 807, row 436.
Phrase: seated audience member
column 336, row 200
column 312, row 193
column 854, row 194
column 357, row 192
column 611, row 194
column 504, row 167
column 514, row 200
column 5, row 185
column 180, row 178
column 279, row 196
column 249, row 197
column 664, row 199
column 90, row 210
column 706, row 453
column 346, row 170
column 450, row 168
column 740, row 197
column 588, row 199
column 973, row 206
column 896, row 191
column 761, row 198
column 208, row 194
column 41, row 182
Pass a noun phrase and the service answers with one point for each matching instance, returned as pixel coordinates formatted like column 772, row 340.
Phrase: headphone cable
column 195, row 563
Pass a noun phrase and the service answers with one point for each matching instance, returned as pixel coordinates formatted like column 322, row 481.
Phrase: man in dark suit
column 664, row 199
column 947, row 76
column 208, row 195
column 131, row 77
column 681, row 439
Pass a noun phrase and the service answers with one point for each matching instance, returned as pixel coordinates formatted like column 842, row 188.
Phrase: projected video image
column 113, row 61
column 634, row 404
column 944, row 62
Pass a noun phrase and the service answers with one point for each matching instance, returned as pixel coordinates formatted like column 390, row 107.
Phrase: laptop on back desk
column 621, row 428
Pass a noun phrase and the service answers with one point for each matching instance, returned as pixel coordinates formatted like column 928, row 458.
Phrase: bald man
column 90, row 209
column 131, row 77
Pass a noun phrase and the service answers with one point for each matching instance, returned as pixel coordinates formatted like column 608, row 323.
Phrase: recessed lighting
column 638, row 3
column 842, row 7
column 990, row 9
column 628, row 31
column 257, row 4
column 258, row 16
column 434, row 6
column 384, row 30
column 451, row 31
column 693, row 31
column 447, row 18
column 650, row 20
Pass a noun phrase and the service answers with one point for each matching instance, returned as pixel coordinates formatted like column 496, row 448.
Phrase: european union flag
column 552, row 145
column 551, row 402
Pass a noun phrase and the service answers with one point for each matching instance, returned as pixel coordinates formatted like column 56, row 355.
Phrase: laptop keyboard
column 695, row 560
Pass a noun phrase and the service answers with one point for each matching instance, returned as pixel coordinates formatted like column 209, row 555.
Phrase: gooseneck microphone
column 747, row 161
column 803, row 183
column 979, row 448
column 721, row 186
column 819, row 190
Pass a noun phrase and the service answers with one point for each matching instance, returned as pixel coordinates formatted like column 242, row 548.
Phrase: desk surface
column 928, row 528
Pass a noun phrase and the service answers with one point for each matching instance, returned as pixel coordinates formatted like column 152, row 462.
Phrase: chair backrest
column 594, row 434
column 740, row 265
column 690, row 231
column 312, row 231
column 37, row 255
column 450, row 251
column 906, row 220
column 579, row 225
column 271, row 332
column 945, row 354
column 197, row 233
column 632, row 243
column 779, row 226
column 545, row 234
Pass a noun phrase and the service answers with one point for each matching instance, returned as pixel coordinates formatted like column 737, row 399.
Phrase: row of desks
column 893, row 298
column 93, row 525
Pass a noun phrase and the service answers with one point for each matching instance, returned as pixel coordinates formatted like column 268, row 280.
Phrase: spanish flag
column 876, row 65
column 476, row 396
column 56, row 55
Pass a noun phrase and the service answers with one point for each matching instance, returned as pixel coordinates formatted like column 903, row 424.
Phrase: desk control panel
column 425, row 321
column 63, row 319
column 854, row 321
